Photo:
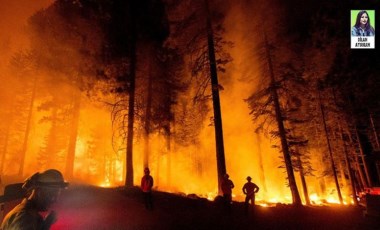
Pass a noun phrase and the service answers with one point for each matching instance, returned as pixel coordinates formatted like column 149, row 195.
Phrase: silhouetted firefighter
column 227, row 186
column 146, row 187
column 250, row 189
column 44, row 189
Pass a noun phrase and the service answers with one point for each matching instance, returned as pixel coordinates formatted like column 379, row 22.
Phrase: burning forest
column 192, row 89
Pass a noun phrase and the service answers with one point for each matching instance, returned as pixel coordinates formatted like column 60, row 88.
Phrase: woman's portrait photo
column 362, row 26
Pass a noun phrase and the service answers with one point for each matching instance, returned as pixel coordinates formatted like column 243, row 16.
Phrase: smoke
column 246, row 24
column 14, row 16
column 246, row 153
column 24, row 85
column 188, row 169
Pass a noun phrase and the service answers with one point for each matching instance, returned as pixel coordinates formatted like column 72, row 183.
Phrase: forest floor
column 87, row 207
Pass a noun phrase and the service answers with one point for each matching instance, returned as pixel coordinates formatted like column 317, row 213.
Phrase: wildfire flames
column 100, row 148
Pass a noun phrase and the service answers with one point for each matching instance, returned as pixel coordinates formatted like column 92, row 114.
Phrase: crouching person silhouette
column 44, row 189
column 249, row 189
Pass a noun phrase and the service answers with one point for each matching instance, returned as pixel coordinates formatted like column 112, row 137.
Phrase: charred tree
column 151, row 30
column 20, row 120
column 131, row 94
column 148, row 115
column 73, row 133
column 333, row 168
column 281, row 129
column 27, row 128
column 303, row 180
column 198, row 35
column 297, row 145
column 367, row 179
column 376, row 142
column 261, row 163
column 5, row 147
column 343, row 139
column 220, row 158
column 66, row 37
column 54, row 148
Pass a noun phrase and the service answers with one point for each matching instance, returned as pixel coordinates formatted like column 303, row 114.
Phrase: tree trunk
column 73, row 134
column 169, row 155
column 168, row 131
column 131, row 118
column 303, row 180
column 261, row 165
column 284, row 143
column 220, row 158
column 363, row 180
column 27, row 130
column 148, row 114
column 377, row 147
column 368, row 180
column 6, row 138
column 346, row 158
column 51, row 155
column 374, row 131
column 131, row 91
column 350, row 173
column 5, row 148
column 320, row 166
column 333, row 168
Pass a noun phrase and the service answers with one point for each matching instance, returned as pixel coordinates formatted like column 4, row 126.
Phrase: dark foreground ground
column 84, row 207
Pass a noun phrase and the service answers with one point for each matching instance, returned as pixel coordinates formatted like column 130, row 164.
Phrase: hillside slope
column 86, row 207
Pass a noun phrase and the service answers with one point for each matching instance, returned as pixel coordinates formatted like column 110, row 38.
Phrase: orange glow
column 105, row 184
column 100, row 150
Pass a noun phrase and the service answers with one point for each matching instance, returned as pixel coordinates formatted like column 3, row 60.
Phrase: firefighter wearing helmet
column 250, row 189
column 227, row 185
column 44, row 189
column 146, row 187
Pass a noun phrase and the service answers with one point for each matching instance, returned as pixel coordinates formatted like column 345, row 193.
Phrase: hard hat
column 146, row 169
column 50, row 178
column 249, row 178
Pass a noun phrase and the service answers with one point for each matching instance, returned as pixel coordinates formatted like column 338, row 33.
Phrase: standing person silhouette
column 44, row 189
column 146, row 187
column 249, row 189
column 227, row 186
